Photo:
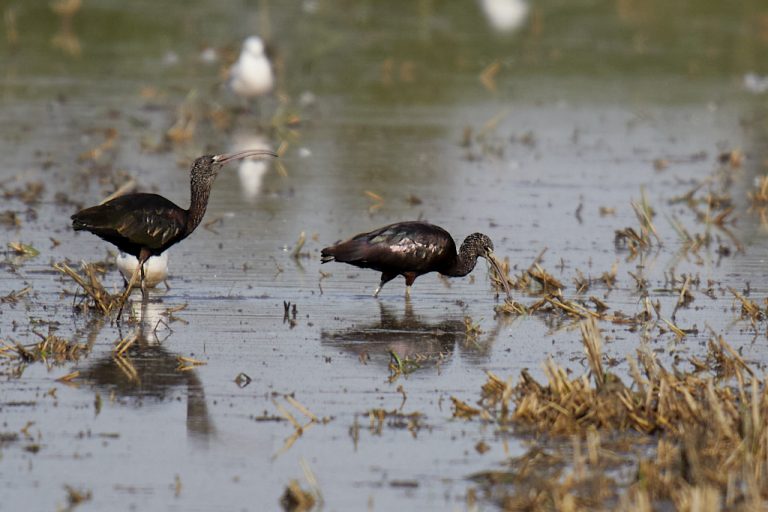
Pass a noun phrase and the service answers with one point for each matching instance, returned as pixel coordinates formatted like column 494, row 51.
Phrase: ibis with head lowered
column 411, row 249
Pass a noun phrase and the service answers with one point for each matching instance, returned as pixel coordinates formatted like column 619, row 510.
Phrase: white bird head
column 253, row 46
column 505, row 16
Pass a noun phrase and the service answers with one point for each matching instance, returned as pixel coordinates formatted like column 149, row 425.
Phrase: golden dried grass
column 705, row 432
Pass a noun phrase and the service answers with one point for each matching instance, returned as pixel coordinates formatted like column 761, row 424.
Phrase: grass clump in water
column 99, row 299
column 677, row 438
column 51, row 350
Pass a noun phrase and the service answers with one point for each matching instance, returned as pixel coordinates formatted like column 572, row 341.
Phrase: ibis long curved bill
column 248, row 153
column 492, row 261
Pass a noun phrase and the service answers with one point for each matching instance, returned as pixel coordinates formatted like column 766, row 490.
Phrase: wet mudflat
column 535, row 135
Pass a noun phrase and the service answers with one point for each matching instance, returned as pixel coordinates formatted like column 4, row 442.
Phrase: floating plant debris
column 24, row 250
column 716, row 419
column 99, row 298
column 296, row 499
column 51, row 350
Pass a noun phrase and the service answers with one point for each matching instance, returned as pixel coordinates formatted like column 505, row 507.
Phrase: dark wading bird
column 145, row 225
column 411, row 249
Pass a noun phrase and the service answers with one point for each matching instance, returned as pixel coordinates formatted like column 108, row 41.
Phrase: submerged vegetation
column 633, row 336
column 51, row 350
column 688, row 436
column 96, row 297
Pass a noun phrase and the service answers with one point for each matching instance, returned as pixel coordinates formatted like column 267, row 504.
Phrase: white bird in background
column 251, row 171
column 505, row 15
column 756, row 83
column 251, row 75
column 155, row 268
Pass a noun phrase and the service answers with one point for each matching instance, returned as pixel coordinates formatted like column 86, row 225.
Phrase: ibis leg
column 127, row 291
column 385, row 278
column 143, row 257
column 410, row 277
column 143, row 285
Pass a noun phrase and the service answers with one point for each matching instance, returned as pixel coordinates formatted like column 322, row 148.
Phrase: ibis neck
column 198, row 205
column 463, row 264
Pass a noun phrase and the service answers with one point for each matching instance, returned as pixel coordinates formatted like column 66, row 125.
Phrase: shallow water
column 584, row 103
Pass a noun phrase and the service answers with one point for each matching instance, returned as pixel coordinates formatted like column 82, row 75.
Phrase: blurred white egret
column 756, row 83
column 155, row 269
column 251, row 75
column 505, row 15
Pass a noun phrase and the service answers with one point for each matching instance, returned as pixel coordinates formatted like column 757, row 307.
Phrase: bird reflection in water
column 147, row 371
column 410, row 338
column 250, row 171
column 65, row 38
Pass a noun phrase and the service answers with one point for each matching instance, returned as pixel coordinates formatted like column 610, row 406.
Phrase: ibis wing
column 146, row 220
column 153, row 229
column 405, row 252
column 397, row 248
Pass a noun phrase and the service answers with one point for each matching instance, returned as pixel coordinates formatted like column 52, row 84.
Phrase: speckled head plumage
column 474, row 246
column 204, row 168
column 477, row 244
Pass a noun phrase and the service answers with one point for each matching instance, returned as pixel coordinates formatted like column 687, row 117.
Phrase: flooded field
column 619, row 146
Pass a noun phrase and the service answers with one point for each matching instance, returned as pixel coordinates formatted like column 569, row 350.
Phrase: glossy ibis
column 251, row 75
column 155, row 269
column 145, row 225
column 411, row 249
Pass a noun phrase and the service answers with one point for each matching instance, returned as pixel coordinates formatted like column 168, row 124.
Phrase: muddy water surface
column 585, row 110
